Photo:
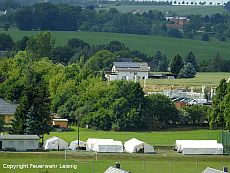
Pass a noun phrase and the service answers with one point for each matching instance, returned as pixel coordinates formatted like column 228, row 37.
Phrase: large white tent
column 104, row 145
column 180, row 143
column 211, row 147
column 74, row 144
column 55, row 143
column 134, row 145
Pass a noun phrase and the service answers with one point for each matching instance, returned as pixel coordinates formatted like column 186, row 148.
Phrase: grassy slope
column 147, row 44
column 180, row 10
column 165, row 138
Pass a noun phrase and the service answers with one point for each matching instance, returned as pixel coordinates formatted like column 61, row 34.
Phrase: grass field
column 146, row 44
column 161, row 138
column 179, row 9
column 207, row 79
column 163, row 162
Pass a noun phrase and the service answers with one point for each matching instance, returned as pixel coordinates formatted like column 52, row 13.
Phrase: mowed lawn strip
column 155, row 138
column 144, row 43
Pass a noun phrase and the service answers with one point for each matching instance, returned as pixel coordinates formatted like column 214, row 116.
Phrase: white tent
column 104, row 145
column 109, row 147
column 74, row 144
column 91, row 142
column 180, row 143
column 55, row 143
column 199, row 147
column 134, row 146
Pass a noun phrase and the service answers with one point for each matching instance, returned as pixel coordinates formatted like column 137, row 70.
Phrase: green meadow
column 88, row 162
column 144, row 43
column 181, row 10
column 155, row 138
column 209, row 79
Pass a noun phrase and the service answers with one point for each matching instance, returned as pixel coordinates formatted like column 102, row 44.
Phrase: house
column 60, row 123
column 19, row 142
column 177, row 22
column 128, row 71
column 211, row 170
column 7, row 110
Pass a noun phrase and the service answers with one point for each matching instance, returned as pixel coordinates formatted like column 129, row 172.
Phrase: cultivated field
column 178, row 9
column 146, row 44
column 210, row 79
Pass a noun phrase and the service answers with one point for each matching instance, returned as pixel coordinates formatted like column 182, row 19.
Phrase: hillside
column 146, row 44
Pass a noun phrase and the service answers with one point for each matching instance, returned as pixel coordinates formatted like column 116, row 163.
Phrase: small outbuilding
column 19, row 142
column 55, row 143
column 74, row 145
column 60, row 123
column 136, row 146
column 104, row 145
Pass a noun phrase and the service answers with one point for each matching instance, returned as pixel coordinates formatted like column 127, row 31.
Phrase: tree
column 38, row 116
column 188, row 71
column 6, row 42
column 196, row 114
column 62, row 55
column 160, row 112
column 18, row 124
column 176, row 64
column 190, row 58
column 227, row 6
column 217, row 115
column 1, row 124
column 205, row 37
column 41, row 45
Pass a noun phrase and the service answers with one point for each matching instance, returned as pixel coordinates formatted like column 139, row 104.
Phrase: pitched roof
column 115, row 170
column 7, row 108
column 131, row 66
column 211, row 170
column 20, row 137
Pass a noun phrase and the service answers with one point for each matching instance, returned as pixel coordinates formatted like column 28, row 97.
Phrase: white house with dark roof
column 7, row 110
column 19, row 142
column 128, row 71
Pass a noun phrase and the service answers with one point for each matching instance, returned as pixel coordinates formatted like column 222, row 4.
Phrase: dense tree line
column 77, row 50
column 48, row 16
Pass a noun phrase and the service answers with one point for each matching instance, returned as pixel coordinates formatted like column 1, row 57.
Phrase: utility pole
column 78, row 134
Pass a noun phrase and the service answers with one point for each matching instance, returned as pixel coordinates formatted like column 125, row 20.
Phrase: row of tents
column 100, row 145
column 210, row 147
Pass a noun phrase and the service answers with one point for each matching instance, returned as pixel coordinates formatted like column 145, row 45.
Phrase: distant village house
column 128, row 71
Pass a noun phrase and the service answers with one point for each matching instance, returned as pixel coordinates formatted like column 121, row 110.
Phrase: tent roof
column 134, row 141
column 115, row 170
column 211, row 170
